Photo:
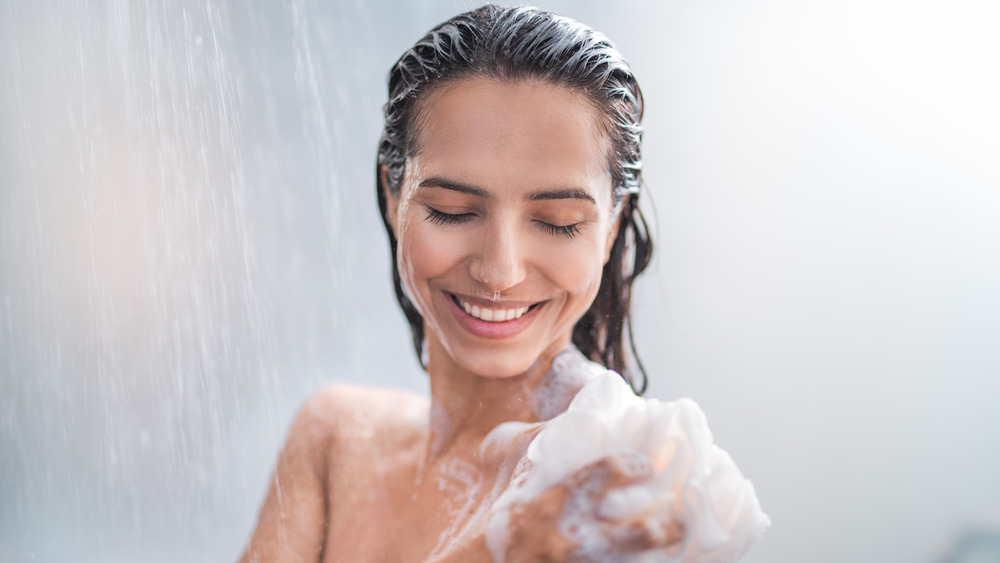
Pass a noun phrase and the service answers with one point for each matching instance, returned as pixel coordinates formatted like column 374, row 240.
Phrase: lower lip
column 484, row 329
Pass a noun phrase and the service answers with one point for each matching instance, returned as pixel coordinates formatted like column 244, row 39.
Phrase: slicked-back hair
column 515, row 44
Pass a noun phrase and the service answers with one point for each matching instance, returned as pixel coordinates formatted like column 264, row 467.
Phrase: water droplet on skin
column 496, row 296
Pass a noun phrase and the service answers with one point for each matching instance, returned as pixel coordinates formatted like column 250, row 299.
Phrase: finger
column 612, row 471
column 534, row 529
column 630, row 466
column 643, row 535
column 544, row 510
column 549, row 505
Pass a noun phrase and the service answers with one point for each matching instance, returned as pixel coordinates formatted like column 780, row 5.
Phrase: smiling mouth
column 491, row 314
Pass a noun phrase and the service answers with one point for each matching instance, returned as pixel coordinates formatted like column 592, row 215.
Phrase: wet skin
column 505, row 206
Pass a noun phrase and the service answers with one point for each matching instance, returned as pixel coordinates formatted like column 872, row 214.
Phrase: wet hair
column 515, row 44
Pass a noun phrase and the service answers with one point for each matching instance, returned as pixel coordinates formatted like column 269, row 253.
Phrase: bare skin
column 505, row 207
column 346, row 486
column 356, row 482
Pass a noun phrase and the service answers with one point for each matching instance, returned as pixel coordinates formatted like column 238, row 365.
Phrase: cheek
column 578, row 270
column 422, row 256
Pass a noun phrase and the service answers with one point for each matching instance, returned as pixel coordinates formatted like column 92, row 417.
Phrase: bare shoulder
column 337, row 431
column 343, row 411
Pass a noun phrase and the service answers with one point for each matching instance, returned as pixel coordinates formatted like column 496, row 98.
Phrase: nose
column 498, row 264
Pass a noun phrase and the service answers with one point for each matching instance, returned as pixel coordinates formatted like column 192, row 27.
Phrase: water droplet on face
column 496, row 296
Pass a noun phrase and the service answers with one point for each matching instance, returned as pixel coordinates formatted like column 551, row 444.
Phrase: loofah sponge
column 678, row 476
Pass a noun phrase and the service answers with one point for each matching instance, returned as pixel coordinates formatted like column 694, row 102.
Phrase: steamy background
column 190, row 246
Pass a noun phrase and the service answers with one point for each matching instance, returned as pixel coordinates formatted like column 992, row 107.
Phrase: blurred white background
column 190, row 246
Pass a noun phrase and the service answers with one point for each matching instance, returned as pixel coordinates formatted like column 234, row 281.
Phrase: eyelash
column 565, row 230
column 441, row 218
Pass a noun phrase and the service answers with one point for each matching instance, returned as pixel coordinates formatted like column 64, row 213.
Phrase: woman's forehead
column 527, row 133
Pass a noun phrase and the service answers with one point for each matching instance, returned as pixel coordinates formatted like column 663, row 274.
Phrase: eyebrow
column 568, row 193
column 435, row 182
column 561, row 193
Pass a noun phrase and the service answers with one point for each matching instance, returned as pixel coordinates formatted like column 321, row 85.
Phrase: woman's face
column 504, row 221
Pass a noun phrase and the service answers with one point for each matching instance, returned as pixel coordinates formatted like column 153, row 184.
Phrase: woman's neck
column 466, row 407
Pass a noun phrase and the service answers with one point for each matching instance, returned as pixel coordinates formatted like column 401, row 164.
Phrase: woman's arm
column 293, row 521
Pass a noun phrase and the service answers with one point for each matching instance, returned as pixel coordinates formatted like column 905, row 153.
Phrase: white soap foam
column 682, row 476
column 562, row 382
column 463, row 484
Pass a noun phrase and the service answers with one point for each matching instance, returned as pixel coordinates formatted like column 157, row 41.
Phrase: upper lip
column 490, row 304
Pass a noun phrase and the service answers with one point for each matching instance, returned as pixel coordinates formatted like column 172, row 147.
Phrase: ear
column 391, row 201
column 613, row 231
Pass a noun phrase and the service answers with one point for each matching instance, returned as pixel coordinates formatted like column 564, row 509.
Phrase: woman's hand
column 534, row 528
column 546, row 528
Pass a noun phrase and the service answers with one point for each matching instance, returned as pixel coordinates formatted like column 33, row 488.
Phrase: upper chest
column 385, row 507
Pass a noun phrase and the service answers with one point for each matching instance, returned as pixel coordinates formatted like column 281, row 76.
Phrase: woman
column 508, row 177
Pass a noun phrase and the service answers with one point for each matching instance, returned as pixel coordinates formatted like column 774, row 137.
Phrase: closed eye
column 442, row 218
column 565, row 230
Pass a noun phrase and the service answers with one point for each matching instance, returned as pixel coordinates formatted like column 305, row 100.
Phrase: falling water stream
column 178, row 183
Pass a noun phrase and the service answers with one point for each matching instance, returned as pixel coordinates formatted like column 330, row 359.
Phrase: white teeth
column 493, row 315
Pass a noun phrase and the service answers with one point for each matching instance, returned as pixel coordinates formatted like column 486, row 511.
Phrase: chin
column 494, row 365
column 502, row 360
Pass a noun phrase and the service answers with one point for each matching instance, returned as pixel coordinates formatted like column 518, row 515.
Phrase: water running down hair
column 514, row 44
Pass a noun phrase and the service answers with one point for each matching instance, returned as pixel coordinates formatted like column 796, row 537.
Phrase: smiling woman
column 521, row 47
column 506, row 206
column 508, row 178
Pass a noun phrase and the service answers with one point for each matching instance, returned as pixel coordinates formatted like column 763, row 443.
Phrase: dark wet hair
column 520, row 43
